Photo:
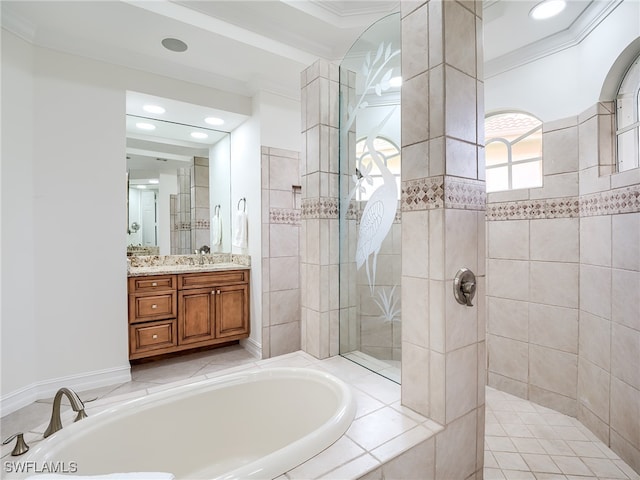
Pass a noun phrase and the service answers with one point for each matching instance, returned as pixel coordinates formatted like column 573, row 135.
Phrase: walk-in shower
column 370, row 217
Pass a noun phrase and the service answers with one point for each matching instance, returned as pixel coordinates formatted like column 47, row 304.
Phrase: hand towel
column 240, row 230
column 109, row 476
column 216, row 230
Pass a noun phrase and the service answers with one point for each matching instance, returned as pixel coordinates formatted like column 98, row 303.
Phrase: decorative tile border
column 186, row 226
column 322, row 207
column 620, row 200
column 443, row 192
column 534, row 209
column 464, row 193
column 423, row 194
column 287, row 216
column 612, row 202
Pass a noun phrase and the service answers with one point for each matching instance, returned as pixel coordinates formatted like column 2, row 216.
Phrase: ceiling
column 243, row 46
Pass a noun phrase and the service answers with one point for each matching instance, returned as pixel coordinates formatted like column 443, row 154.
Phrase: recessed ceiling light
column 214, row 121
column 174, row 45
column 145, row 126
column 154, row 181
column 395, row 81
column 200, row 135
column 141, row 187
column 154, row 109
column 547, row 9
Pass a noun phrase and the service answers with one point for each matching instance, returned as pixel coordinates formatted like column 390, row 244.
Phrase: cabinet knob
column 218, row 292
column 154, row 284
column 213, row 292
column 154, row 306
column 155, row 336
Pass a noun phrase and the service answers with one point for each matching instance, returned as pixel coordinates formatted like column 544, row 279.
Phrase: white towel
column 110, row 476
column 216, row 230
column 240, row 230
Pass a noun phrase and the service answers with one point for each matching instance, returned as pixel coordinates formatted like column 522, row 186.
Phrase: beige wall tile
column 508, row 385
column 456, row 448
column 415, row 306
column 554, row 327
column 508, row 239
column 415, row 161
column 508, row 357
column 553, row 370
column 459, row 30
column 460, row 105
column 595, row 240
column 437, row 387
column 508, row 318
column 593, row 389
column 557, row 186
column 626, row 450
column 461, row 381
column 588, row 143
column 595, row 290
column 415, row 114
column 415, row 43
column 624, row 311
column 436, row 244
column 508, row 279
column 284, row 306
column 555, row 401
column 508, row 196
column 285, row 338
column 436, row 113
column 560, row 151
column 460, row 322
column 283, row 240
column 590, row 420
column 415, row 378
column 284, row 272
column 555, row 240
column 626, row 241
column 461, row 240
column 460, row 156
column 415, row 244
column 436, row 20
column 595, row 340
column 554, row 283
column 625, row 354
column 624, row 407
column 420, row 458
column 591, row 181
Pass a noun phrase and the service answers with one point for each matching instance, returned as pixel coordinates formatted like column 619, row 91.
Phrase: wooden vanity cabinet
column 171, row 313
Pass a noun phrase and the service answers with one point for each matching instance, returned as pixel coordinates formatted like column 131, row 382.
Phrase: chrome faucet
column 76, row 404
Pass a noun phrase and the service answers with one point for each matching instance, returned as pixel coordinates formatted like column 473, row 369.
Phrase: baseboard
column 251, row 346
column 22, row 397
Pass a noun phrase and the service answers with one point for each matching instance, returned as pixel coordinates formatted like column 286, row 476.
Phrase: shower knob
column 464, row 287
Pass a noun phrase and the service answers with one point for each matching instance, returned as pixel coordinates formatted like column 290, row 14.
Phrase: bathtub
column 254, row 425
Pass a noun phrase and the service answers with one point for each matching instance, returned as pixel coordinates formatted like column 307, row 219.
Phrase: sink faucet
column 76, row 404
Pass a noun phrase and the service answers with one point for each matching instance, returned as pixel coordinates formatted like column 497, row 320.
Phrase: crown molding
column 329, row 12
column 568, row 38
column 18, row 26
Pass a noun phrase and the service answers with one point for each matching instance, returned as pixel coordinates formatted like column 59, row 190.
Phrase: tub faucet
column 76, row 404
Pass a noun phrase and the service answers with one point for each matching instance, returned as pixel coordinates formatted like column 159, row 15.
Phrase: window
column 368, row 173
column 513, row 151
column 627, row 121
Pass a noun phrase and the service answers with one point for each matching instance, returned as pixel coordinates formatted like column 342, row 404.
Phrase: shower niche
column 370, row 213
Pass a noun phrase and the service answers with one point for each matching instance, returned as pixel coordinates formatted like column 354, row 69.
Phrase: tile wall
column 563, row 263
column 281, row 207
column 200, row 215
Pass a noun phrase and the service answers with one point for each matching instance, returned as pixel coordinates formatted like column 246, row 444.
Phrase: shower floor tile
column 549, row 445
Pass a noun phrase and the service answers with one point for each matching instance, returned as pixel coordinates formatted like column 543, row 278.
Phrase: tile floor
column 523, row 440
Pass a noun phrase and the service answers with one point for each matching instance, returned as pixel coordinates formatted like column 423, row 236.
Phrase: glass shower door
column 370, row 220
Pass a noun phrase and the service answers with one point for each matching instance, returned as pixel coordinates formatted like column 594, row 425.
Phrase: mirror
column 178, row 176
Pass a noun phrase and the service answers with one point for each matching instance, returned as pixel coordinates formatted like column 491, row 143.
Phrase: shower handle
column 464, row 287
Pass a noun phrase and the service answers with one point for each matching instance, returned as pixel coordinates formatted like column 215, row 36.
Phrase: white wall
column 280, row 121
column 17, row 325
column 63, row 243
column 570, row 81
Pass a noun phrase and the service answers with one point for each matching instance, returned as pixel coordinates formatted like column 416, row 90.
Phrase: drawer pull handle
column 154, row 284
column 213, row 292
column 218, row 292
column 154, row 306
column 154, row 336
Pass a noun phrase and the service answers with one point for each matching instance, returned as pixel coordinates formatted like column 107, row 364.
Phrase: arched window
column 627, row 118
column 368, row 173
column 513, row 151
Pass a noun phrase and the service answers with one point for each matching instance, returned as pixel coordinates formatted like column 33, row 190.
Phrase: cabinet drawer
column 213, row 279
column 143, row 308
column 152, row 336
column 154, row 283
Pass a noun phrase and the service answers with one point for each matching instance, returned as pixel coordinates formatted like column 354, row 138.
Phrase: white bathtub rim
column 273, row 464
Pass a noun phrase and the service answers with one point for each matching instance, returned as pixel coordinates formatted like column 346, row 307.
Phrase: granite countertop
column 170, row 264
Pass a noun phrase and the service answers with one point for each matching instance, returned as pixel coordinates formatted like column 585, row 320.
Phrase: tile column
column 319, row 233
column 443, row 219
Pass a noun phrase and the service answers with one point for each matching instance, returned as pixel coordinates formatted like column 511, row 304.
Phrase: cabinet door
column 196, row 312
column 232, row 312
